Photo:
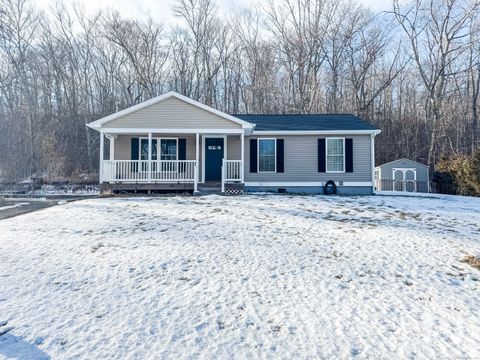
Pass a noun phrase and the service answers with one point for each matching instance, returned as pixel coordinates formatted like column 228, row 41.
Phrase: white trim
column 402, row 159
column 404, row 172
column 111, row 139
column 242, row 156
column 100, row 122
column 100, row 171
column 224, row 137
column 316, row 132
column 326, row 155
column 159, row 147
column 404, row 180
column 306, row 183
column 234, row 131
column 149, row 154
column 428, row 179
column 197, row 159
column 132, row 131
column 258, row 156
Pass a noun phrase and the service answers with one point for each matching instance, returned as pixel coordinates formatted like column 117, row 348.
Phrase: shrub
column 465, row 172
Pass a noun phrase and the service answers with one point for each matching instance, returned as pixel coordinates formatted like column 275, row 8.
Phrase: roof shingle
column 306, row 122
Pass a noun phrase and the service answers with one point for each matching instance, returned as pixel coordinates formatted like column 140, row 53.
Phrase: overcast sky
column 162, row 9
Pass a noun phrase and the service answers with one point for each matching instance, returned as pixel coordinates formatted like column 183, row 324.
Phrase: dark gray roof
column 298, row 122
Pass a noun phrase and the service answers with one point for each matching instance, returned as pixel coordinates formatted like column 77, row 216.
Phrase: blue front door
column 213, row 159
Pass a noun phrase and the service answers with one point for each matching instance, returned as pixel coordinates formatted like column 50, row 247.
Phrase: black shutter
column 321, row 155
column 134, row 149
column 134, row 153
column 253, row 155
column 182, row 149
column 280, row 155
column 348, row 155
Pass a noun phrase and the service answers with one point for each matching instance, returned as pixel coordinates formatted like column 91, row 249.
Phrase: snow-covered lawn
column 234, row 277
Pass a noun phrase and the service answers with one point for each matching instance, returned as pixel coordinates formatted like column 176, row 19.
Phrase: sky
column 161, row 10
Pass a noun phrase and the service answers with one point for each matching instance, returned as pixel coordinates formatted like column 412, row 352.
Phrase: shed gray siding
column 386, row 170
column 172, row 113
column 301, row 161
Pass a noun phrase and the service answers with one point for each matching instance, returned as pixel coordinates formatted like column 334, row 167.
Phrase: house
column 402, row 175
column 173, row 142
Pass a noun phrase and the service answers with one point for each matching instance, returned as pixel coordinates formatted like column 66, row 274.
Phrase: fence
column 401, row 185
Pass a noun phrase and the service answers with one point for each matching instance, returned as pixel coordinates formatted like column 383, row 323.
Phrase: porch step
column 209, row 188
column 216, row 188
column 208, row 192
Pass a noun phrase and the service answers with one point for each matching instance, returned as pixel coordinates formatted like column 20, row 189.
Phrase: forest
column 413, row 71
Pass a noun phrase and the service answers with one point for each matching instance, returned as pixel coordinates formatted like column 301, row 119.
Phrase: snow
column 252, row 276
column 408, row 193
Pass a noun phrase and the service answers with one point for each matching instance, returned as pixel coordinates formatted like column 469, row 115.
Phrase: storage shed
column 402, row 175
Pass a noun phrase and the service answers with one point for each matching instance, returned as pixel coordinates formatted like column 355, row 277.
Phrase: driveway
column 14, row 207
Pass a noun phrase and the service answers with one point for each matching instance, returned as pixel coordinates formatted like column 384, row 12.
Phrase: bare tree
column 436, row 32
column 59, row 72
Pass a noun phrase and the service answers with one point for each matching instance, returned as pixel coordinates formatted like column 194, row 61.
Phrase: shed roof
column 401, row 159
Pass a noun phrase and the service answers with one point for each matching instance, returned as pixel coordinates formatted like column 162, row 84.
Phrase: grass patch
column 473, row 261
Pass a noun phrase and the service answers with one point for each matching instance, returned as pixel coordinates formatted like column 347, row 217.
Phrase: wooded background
column 413, row 71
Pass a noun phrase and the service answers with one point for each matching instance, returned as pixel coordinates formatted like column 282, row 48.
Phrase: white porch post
column 102, row 137
column 112, row 148
column 149, row 156
column 223, row 176
column 197, row 162
column 242, row 154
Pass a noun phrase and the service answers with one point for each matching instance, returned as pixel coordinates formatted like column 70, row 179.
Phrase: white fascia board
column 402, row 159
column 316, row 132
column 98, row 124
column 169, row 131
column 307, row 183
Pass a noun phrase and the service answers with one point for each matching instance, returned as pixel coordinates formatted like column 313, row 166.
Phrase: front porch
column 166, row 161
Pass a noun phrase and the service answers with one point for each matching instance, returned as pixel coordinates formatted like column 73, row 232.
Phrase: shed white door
column 404, row 179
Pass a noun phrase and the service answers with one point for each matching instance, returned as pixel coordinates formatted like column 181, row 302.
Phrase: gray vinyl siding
column 386, row 170
column 123, row 145
column 301, row 163
column 172, row 114
column 234, row 148
column 122, row 148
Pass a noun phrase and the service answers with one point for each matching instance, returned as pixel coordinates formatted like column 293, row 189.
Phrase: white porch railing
column 148, row 171
column 232, row 171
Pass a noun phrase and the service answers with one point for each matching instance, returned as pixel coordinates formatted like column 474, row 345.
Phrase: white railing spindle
column 143, row 171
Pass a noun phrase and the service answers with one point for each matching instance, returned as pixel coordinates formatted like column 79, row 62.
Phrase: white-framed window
column 168, row 148
column 335, row 155
column 267, row 155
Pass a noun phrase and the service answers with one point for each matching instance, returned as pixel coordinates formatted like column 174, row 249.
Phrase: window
column 144, row 149
column 168, row 148
column 335, row 155
column 267, row 155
